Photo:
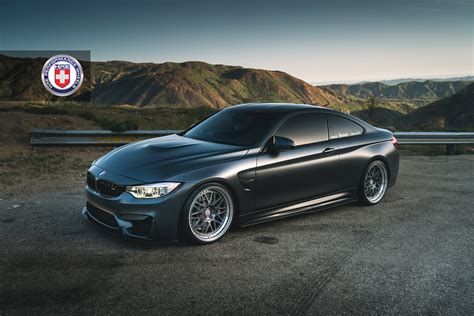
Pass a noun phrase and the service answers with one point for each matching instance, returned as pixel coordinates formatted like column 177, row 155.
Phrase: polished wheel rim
column 375, row 182
column 210, row 213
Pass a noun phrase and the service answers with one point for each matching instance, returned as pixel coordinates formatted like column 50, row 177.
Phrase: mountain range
column 186, row 84
column 413, row 90
column 392, row 82
column 201, row 84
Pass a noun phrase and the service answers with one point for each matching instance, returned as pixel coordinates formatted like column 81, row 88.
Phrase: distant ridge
column 392, row 82
column 428, row 89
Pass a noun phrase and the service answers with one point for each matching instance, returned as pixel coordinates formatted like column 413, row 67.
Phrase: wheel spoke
column 199, row 203
column 206, row 198
column 223, row 211
column 218, row 201
column 196, row 223
column 199, row 210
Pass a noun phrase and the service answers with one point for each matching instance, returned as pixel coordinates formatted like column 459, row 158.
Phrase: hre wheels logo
column 62, row 75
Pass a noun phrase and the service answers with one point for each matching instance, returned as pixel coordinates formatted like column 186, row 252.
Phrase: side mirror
column 278, row 143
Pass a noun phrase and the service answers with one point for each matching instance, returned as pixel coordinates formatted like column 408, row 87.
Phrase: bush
column 118, row 126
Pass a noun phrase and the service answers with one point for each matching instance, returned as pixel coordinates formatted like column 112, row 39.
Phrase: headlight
column 151, row 191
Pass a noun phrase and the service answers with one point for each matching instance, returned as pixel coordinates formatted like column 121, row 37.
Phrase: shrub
column 118, row 126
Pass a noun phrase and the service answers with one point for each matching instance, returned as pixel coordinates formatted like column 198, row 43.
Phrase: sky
column 317, row 41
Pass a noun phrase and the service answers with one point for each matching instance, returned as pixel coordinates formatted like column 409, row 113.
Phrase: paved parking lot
column 412, row 253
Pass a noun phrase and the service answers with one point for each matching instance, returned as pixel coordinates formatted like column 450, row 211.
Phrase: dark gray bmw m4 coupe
column 243, row 165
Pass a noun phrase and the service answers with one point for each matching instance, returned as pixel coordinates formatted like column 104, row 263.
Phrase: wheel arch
column 196, row 186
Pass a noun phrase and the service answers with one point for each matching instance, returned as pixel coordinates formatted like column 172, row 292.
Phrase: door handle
column 329, row 151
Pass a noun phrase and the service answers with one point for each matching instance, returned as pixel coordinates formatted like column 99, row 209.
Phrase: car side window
column 305, row 129
column 340, row 127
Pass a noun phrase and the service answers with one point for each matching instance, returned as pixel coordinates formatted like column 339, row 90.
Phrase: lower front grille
column 102, row 216
column 142, row 227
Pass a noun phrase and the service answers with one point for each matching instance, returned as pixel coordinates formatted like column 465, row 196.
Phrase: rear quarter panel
column 357, row 152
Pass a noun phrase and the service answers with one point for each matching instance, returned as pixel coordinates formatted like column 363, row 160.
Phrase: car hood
column 158, row 159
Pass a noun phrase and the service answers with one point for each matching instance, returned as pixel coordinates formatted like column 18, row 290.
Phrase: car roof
column 282, row 108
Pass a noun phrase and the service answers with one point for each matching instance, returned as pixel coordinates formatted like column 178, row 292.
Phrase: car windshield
column 234, row 126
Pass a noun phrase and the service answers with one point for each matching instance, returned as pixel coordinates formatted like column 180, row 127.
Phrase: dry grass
column 29, row 169
column 118, row 117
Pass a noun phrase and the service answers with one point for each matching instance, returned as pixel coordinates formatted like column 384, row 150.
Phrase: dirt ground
column 15, row 126
column 28, row 169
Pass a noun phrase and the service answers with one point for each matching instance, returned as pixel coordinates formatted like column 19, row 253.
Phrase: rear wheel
column 208, row 213
column 373, row 183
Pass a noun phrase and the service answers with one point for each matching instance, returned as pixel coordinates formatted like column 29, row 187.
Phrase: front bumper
column 141, row 227
column 145, row 219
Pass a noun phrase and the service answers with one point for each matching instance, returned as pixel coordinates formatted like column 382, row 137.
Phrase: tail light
column 394, row 142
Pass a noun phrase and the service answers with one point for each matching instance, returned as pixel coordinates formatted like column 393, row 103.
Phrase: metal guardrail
column 52, row 137
column 435, row 138
column 439, row 138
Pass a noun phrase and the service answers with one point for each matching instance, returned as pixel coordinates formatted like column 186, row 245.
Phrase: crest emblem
column 101, row 173
column 62, row 75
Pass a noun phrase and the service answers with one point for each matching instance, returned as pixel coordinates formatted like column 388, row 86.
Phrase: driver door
column 307, row 171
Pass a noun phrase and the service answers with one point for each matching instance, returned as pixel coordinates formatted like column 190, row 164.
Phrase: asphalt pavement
column 412, row 253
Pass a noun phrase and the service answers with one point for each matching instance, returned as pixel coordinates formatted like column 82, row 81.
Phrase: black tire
column 369, row 191
column 200, row 214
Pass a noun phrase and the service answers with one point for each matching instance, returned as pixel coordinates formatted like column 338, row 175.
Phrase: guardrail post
column 450, row 149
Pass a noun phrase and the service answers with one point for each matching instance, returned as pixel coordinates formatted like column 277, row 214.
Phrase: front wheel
column 373, row 183
column 208, row 213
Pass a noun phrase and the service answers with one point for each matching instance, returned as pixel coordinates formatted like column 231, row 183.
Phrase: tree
column 372, row 107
